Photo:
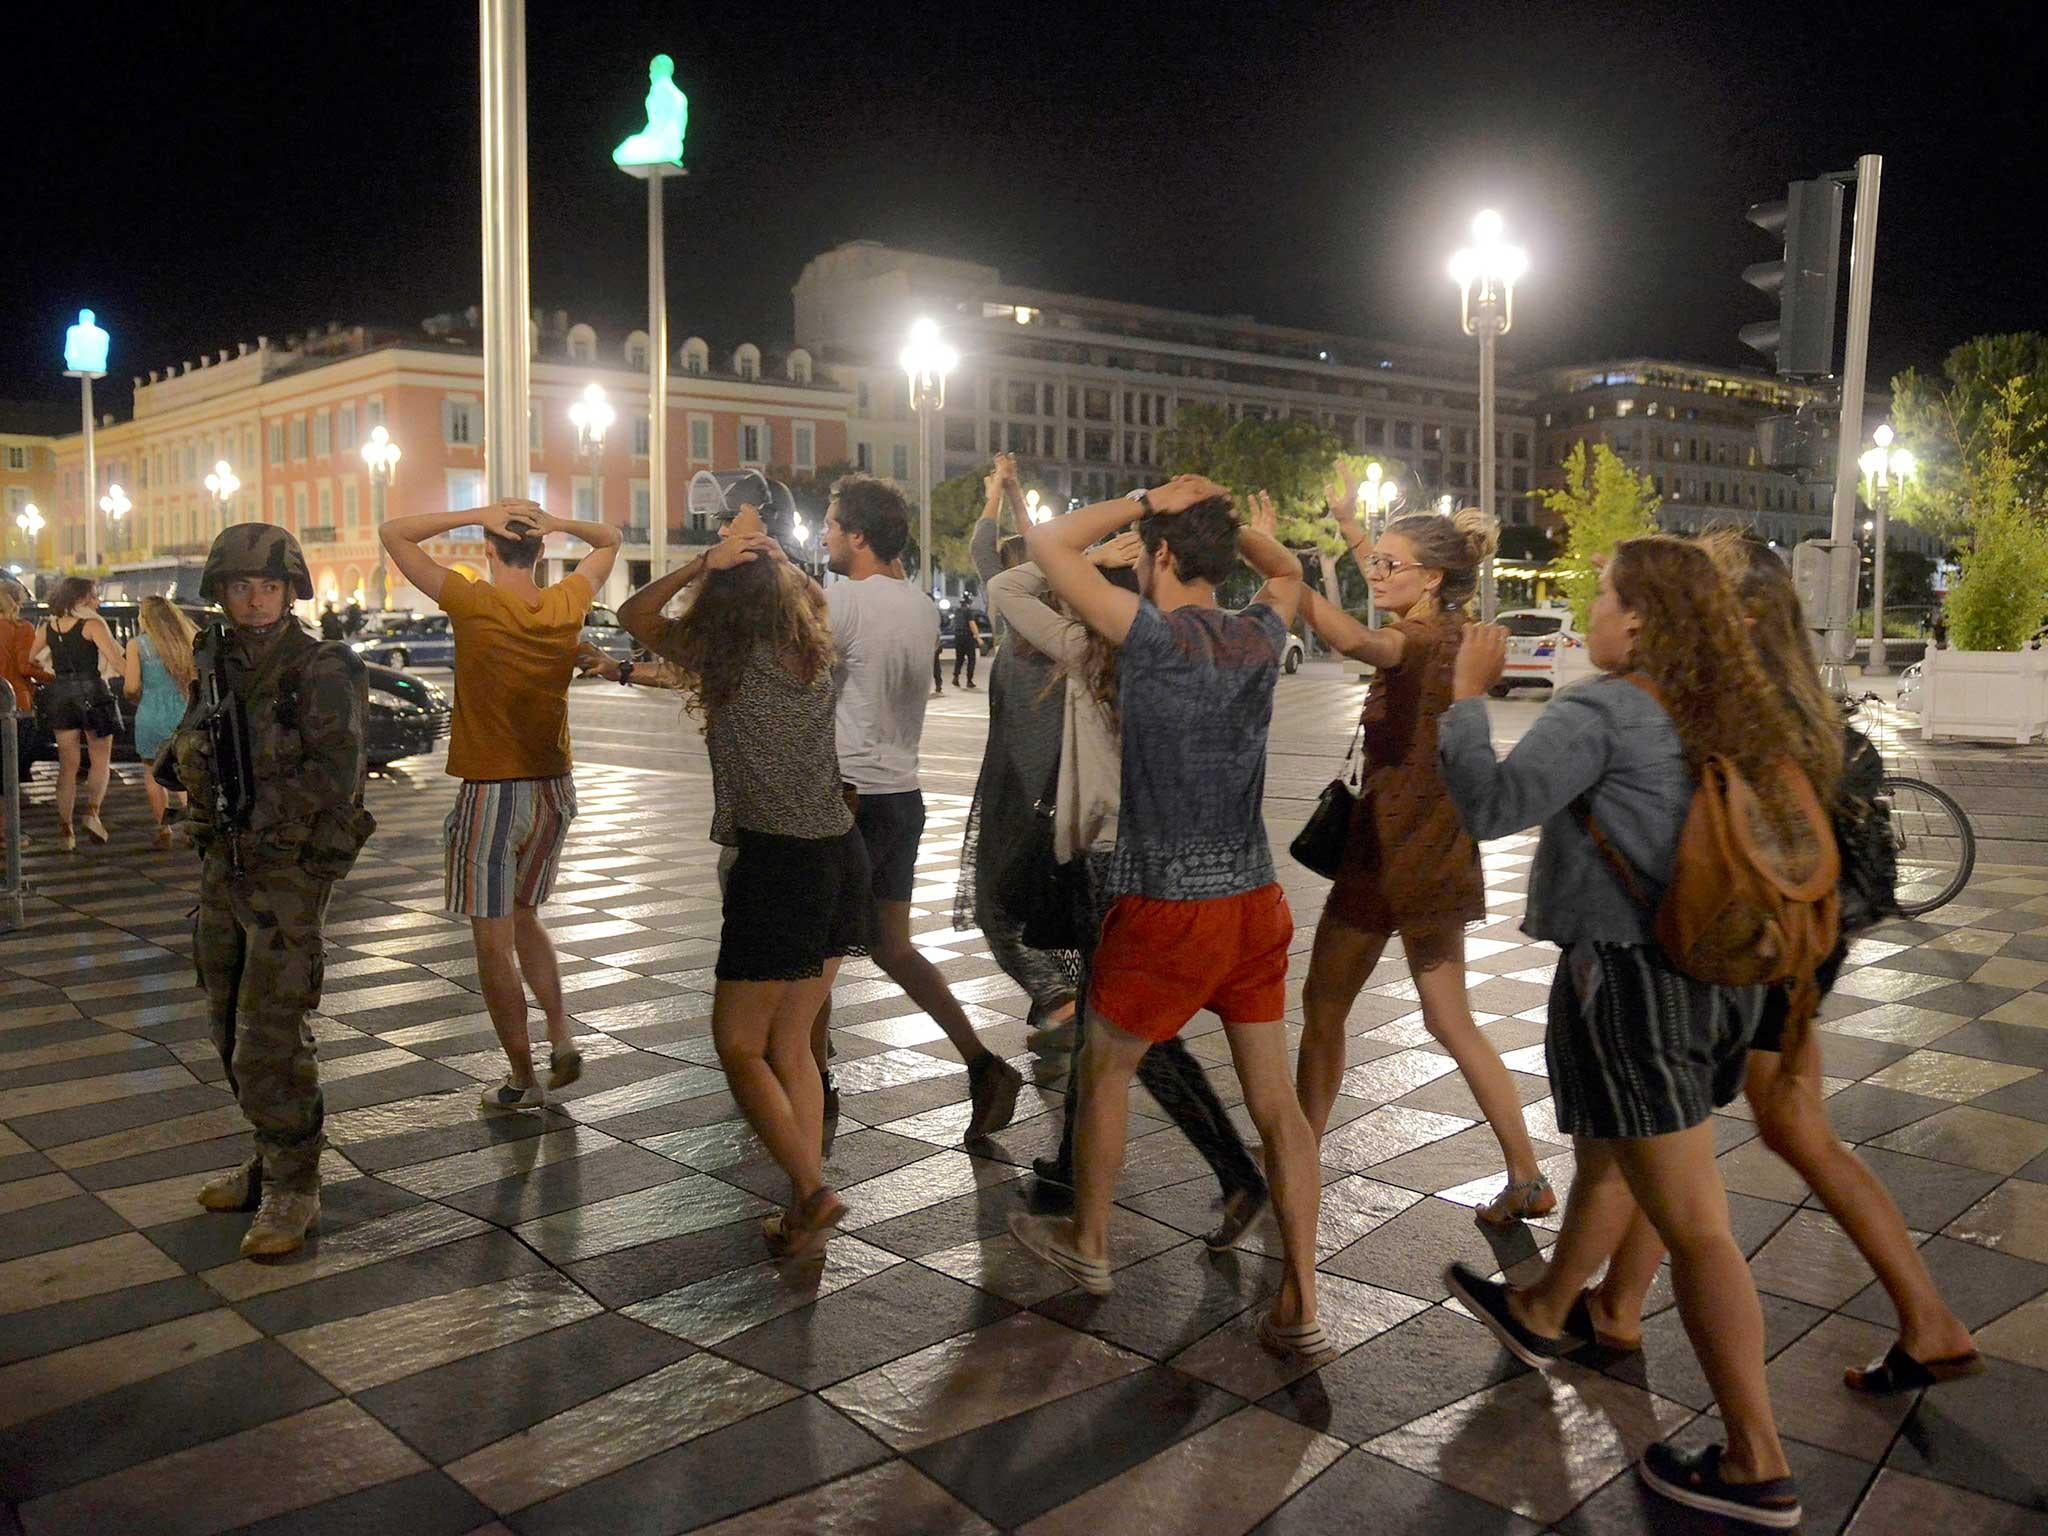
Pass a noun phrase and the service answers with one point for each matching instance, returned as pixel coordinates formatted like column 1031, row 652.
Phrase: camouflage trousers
column 258, row 949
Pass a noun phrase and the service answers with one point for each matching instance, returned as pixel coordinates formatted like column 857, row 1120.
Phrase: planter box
column 1997, row 695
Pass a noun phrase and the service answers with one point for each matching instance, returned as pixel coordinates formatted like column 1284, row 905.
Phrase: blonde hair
column 1456, row 545
column 171, row 633
column 10, row 605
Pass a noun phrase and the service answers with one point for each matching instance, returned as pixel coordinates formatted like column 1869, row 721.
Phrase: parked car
column 430, row 641
column 1296, row 649
column 407, row 714
column 1543, row 647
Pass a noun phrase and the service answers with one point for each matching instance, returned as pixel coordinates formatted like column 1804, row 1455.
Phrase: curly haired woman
column 755, row 651
column 1639, row 1053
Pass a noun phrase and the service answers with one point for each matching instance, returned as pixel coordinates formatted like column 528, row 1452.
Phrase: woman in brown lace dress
column 1408, row 866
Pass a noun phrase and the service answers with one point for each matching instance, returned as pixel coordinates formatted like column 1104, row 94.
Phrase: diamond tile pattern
column 567, row 1322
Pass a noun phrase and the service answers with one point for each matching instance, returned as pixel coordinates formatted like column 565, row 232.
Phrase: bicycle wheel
column 1936, row 848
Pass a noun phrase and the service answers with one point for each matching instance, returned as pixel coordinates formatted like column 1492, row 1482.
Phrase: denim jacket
column 1608, row 740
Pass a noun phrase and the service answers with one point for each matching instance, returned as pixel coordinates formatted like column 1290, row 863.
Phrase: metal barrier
column 10, row 806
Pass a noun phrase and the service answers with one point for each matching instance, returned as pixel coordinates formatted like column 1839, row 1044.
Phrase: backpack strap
column 1582, row 808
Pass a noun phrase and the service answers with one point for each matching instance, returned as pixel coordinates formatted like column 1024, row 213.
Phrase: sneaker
column 509, row 1095
column 992, row 1086
column 1051, row 1239
column 281, row 1223
column 239, row 1189
column 1693, row 1478
column 1487, row 1300
column 564, row 1067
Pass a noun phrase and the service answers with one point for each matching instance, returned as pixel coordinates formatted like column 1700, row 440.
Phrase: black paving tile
column 1667, row 1366
column 713, row 1108
column 1408, row 1253
column 57, row 1224
column 1363, row 1492
column 1434, row 1358
column 570, row 1182
column 449, row 1412
column 44, row 1330
column 2028, row 1099
column 1979, row 1284
column 1163, row 1304
column 221, row 1395
column 1929, row 1195
column 24, row 1165
column 795, row 1446
column 1967, row 999
column 865, row 1154
column 82, row 1067
column 62, row 1126
column 886, row 1316
column 433, row 1271
column 486, row 1130
column 1920, row 960
column 395, row 1083
column 1863, row 1112
column 634, row 1274
column 146, row 1167
column 2024, row 1045
column 425, row 1504
column 201, row 1242
column 1982, row 1433
column 1011, row 1471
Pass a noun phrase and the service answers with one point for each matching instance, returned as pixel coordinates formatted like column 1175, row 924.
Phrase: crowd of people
column 1118, row 860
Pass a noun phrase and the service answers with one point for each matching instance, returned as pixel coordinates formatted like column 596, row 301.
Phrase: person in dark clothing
column 332, row 626
column 353, row 618
column 966, row 641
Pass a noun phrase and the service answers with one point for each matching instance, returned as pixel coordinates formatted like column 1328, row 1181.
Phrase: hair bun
column 1481, row 532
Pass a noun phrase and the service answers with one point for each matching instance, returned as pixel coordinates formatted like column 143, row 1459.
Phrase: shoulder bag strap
column 1582, row 808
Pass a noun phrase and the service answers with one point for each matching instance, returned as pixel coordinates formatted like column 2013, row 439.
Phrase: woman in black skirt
column 80, row 702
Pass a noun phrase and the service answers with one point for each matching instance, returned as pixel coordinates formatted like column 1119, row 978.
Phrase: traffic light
column 1801, row 341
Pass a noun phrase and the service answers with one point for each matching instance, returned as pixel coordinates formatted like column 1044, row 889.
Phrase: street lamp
column 1486, row 273
column 380, row 456
column 592, row 416
column 926, row 361
column 1033, row 510
column 116, row 505
column 1884, row 467
column 1376, row 498
column 222, row 484
column 30, row 522
column 85, row 359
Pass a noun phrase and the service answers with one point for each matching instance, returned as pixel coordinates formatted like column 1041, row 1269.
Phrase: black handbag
column 1319, row 845
column 1863, row 838
column 1034, row 888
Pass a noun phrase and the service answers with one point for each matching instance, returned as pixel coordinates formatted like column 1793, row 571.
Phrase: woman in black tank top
column 79, row 705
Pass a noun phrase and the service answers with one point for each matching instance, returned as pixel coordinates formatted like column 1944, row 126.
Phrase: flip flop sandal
column 1900, row 1372
column 1041, row 1234
column 1518, row 1202
column 1304, row 1341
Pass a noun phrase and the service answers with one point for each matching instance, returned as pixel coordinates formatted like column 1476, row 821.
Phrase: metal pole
column 657, row 379
column 930, row 565
column 507, row 307
column 383, row 596
column 10, row 804
column 92, row 487
column 1489, row 331
column 1877, row 666
column 1849, row 431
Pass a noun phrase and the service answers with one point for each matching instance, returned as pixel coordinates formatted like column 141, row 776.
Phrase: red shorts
column 1162, row 962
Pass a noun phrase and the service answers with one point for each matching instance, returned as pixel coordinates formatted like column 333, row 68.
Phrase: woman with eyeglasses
column 1408, row 867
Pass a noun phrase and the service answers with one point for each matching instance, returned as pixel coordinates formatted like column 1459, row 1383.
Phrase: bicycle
column 1931, row 834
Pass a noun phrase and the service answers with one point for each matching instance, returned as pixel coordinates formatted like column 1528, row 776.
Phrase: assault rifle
column 225, row 719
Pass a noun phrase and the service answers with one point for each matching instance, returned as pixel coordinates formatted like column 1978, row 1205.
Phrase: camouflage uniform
column 264, row 887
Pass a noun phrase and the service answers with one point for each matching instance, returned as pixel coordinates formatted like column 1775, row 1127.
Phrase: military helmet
column 255, row 549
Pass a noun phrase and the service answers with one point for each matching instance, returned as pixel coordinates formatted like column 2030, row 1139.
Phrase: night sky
column 255, row 168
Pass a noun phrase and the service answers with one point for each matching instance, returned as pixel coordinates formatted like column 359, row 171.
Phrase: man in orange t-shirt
column 515, row 651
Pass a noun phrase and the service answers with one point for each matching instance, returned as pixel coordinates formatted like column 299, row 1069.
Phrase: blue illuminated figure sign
column 668, row 114
column 85, row 346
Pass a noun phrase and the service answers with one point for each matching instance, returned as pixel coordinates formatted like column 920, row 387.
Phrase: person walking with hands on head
column 1639, row 1052
column 81, row 706
column 754, row 654
column 1408, row 867
column 515, row 651
column 1197, row 920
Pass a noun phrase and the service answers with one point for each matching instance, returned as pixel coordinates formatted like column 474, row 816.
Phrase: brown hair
column 1694, row 648
column 1456, row 545
column 758, row 602
column 1762, row 584
column 171, row 633
column 1097, row 669
column 69, row 593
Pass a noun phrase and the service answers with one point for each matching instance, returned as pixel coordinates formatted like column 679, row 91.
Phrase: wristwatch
column 625, row 674
column 1143, row 498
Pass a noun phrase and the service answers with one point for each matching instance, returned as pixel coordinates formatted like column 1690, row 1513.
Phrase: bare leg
column 1338, row 968
column 1259, row 1052
column 1617, row 1303
column 1103, row 1080
column 497, row 971
column 1597, row 1212
column 159, row 797
column 920, row 979
column 1449, row 1019
column 100, row 757
column 542, row 973
column 67, row 775
column 760, row 1030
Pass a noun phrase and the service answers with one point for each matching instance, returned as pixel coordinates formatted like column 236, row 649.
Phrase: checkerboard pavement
column 565, row 1322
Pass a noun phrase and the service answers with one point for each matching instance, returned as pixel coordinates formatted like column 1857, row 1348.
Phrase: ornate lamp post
column 1884, row 468
column 380, row 456
column 30, row 522
column 222, row 484
column 592, row 416
column 116, row 506
column 926, row 361
column 1486, row 273
column 1376, row 498
column 85, row 359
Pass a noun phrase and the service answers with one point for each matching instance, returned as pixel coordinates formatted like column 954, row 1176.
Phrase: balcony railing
column 317, row 533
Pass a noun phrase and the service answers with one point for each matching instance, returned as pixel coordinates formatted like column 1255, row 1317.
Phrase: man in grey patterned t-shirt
column 1198, row 922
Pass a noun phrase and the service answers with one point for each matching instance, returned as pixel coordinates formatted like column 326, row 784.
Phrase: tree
column 812, row 490
column 1289, row 460
column 1602, row 504
column 2000, row 596
column 1948, row 427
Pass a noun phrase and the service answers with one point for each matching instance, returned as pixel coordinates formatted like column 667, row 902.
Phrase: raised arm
column 1058, row 548
column 603, row 538
column 1341, row 497
column 985, row 545
column 1559, row 758
column 641, row 614
column 1259, row 546
column 402, row 537
column 1381, row 648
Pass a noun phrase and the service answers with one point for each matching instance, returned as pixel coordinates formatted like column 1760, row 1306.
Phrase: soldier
column 271, row 751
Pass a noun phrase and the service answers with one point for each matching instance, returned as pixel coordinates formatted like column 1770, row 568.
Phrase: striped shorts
column 503, row 843
column 1636, row 1048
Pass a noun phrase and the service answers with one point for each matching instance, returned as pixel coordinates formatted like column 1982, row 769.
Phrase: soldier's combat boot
column 281, row 1224
column 239, row 1189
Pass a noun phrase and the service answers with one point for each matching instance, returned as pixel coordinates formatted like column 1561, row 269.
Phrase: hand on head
column 1119, row 553
column 738, row 549
column 1482, row 657
column 512, row 519
column 1182, row 492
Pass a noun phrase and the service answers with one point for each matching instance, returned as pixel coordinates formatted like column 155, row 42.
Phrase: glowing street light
column 592, row 416
column 380, row 457
column 85, row 359
column 1035, row 508
column 115, row 506
column 1885, row 468
column 222, row 483
column 1486, row 273
column 1377, row 498
column 30, row 522
column 926, row 361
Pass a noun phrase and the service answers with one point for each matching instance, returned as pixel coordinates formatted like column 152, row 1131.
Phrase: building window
column 326, row 506
column 1023, row 398
column 583, row 499
column 1095, row 404
column 960, row 434
column 277, row 505
column 640, row 436
column 746, row 360
column 864, row 457
column 860, row 398
column 298, row 507
column 298, row 431
column 1023, row 438
column 17, row 457
column 1404, row 434
column 374, row 411
column 459, row 425
column 351, row 504
column 700, row 439
column 465, row 492
column 1095, row 447
column 899, row 461
column 803, row 452
column 753, row 442
column 537, row 489
column 533, row 437
column 636, row 528
column 345, row 430
column 323, row 434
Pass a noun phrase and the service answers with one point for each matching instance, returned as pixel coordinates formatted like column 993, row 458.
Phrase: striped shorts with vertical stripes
column 503, row 843
column 1637, row 1049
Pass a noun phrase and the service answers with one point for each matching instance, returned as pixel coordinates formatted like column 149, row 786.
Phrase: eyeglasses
column 1387, row 565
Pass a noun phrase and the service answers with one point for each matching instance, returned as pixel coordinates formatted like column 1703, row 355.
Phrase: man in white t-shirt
column 885, row 629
